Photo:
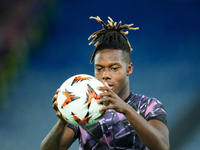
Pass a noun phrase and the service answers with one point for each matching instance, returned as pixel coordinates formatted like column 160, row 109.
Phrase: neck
column 125, row 93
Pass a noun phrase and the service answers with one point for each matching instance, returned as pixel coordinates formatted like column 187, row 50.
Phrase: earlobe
column 130, row 69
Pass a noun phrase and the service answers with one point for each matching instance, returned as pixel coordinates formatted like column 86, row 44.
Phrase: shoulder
column 149, row 108
column 142, row 100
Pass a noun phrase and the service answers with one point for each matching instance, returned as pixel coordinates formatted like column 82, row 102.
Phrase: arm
column 60, row 136
column 153, row 133
column 56, row 139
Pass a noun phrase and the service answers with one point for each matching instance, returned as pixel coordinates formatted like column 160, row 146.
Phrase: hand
column 55, row 106
column 113, row 100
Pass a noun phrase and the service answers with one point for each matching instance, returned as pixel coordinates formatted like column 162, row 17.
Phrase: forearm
column 52, row 140
column 150, row 135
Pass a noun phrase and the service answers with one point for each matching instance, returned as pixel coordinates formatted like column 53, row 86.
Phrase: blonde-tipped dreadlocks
column 111, row 36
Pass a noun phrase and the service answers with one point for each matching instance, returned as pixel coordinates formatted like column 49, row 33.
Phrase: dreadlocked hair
column 111, row 37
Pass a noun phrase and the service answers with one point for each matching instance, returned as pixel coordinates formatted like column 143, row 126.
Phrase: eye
column 98, row 69
column 115, row 69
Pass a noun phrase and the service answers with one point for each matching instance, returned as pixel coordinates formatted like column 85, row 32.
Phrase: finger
column 103, row 88
column 104, row 108
column 58, row 113
column 105, row 99
column 54, row 98
column 57, row 90
column 105, row 84
column 62, row 118
column 105, row 94
column 55, row 105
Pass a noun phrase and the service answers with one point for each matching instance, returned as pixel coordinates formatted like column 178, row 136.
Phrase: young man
column 131, row 121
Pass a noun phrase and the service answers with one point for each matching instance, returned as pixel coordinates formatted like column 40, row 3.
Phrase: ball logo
column 69, row 98
column 91, row 94
column 79, row 78
column 79, row 121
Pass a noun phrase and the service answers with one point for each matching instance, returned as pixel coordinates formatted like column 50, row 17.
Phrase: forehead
column 108, row 55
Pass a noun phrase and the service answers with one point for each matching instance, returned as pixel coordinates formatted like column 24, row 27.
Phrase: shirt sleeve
column 154, row 109
column 75, row 129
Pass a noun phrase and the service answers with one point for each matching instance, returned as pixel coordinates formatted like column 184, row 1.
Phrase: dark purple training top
column 114, row 132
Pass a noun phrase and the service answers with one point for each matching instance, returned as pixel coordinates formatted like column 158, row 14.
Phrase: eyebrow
column 112, row 64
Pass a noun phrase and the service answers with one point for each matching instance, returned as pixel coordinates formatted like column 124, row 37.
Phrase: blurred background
column 44, row 42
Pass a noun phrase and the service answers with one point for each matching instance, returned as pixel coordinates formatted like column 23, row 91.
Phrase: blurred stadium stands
column 43, row 42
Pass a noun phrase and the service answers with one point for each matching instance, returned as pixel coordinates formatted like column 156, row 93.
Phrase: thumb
column 105, row 84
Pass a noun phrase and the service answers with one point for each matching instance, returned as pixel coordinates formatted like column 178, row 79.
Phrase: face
column 111, row 68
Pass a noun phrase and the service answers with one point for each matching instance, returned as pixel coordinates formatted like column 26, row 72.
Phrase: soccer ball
column 77, row 100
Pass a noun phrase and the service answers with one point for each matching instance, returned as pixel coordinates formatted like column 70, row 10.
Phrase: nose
column 106, row 75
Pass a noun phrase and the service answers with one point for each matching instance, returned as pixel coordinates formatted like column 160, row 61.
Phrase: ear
column 130, row 69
